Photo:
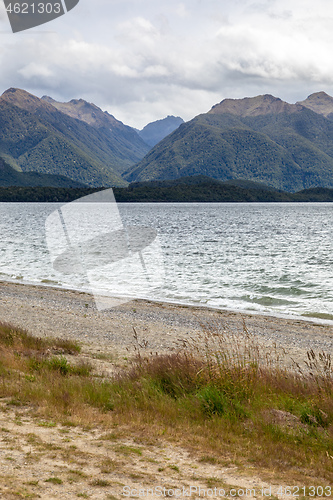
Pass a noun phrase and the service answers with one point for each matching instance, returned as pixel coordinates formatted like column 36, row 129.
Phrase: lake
column 274, row 258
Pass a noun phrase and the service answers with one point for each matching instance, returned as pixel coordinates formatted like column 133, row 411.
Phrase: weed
column 111, row 436
column 54, row 480
column 68, row 423
column 59, row 364
column 128, row 450
column 206, row 459
column 15, row 402
column 23, row 341
column 108, row 465
column 47, row 424
column 100, row 482
column 104, row 356
column 77, row 472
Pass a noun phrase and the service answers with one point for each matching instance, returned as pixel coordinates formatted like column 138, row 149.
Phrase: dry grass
column 219, row 395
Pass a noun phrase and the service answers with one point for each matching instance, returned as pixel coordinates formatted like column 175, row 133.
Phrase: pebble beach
column 161, row 327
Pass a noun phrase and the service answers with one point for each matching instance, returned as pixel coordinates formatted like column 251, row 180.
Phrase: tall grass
column 220, row 393
column 20, row 340
column 229, row 374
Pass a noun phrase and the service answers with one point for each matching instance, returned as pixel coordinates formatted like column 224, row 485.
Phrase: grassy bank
column 220, row 396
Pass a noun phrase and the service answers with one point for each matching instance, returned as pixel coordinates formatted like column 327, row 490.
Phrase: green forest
column 190, row 189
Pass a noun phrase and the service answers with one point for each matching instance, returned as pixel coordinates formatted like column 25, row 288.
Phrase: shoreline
column 246, row 312
column 50, row 311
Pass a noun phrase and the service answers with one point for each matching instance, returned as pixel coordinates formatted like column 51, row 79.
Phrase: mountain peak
column 319, row 95
column 13, row 94
column 319, row 102
column 254, row 106
column 48, row 99
column 12, row 90
column 24, row 100
column 80, row 101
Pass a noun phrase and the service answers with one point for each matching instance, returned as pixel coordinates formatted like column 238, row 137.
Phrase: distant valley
column 154, row 132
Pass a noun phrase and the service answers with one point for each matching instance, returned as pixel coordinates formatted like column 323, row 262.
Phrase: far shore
column 161, row 327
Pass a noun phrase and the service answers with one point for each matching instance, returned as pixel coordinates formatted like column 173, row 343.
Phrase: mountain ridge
column 254, row 106
column 35, row 136
column 262, row 139
column 85, row 111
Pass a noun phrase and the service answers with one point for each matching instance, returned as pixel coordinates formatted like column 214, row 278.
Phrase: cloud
column 181, row 10
column 34, row 70
column 175, row 58
column 4, row 23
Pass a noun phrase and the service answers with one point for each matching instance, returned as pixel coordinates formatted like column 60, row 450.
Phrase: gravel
column 46, row 311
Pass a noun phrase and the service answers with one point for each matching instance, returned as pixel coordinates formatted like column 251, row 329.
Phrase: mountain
column 123, row 139
column 254, row 106
column 320, row 103
column 154, row 132
column 36, row 136
column 11, row 177
column 260, row 139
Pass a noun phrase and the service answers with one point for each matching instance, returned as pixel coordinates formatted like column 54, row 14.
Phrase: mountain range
column 262, row 139
column 74, row 139
column 259, row 139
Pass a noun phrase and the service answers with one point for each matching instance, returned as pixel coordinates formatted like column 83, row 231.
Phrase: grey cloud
column 176, row 58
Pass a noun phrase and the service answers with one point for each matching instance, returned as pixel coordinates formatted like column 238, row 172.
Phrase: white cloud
column 3, row 14
column 181, row 10
column 34, row 70
column 176, row 57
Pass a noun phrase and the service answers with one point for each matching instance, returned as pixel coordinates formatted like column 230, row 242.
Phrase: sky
column 142, row 60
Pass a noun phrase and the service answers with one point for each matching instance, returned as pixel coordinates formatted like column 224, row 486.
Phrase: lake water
column 275, row 258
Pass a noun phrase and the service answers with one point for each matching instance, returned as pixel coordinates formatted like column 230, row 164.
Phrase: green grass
column 220, row 396
column 54, row 480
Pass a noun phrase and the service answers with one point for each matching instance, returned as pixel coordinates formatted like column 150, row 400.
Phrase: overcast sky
column 144, row 59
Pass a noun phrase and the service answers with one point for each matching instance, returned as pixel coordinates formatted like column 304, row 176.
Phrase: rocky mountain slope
column 320, row 103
